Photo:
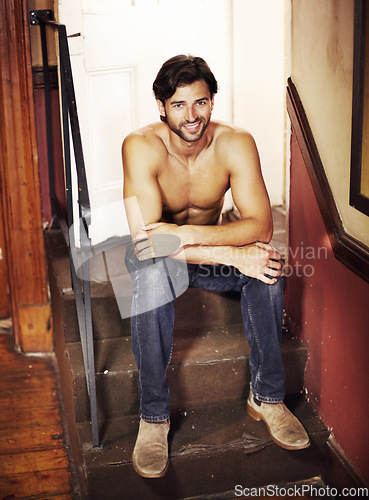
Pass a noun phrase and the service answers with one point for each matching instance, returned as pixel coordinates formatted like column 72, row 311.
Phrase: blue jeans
column 152, row 330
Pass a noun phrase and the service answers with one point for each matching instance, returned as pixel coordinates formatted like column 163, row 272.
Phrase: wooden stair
column 214, row 445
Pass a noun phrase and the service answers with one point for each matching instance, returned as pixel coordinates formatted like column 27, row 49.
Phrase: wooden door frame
column 20, row 187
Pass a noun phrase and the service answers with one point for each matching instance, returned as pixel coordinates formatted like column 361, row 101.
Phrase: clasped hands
column 257, row 260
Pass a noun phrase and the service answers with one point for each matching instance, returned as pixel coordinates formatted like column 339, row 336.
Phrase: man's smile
column 192, row 127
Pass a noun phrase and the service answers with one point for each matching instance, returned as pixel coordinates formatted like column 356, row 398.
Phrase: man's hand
column 156, row 240
column 257, row 261
column 156, row 245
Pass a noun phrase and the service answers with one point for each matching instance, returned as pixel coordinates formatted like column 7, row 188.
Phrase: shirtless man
column 179, row 170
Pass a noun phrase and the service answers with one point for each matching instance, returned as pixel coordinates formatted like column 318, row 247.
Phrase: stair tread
column 212, row 449
column 100, row 284
column 200, row 430
column 195, row 346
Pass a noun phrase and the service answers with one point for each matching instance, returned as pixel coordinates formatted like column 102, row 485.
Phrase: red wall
column 329, row 308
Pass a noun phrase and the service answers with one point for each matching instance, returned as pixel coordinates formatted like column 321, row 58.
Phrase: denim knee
column 152, row 284
column 157, row 280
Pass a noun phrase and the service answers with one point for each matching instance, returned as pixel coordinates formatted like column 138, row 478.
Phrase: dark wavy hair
column 180, row 71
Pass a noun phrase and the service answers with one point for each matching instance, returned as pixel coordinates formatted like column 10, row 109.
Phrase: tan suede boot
column 150, row 454
column 283, row 427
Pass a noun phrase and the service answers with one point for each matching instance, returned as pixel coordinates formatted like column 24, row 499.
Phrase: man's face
column 188, row 111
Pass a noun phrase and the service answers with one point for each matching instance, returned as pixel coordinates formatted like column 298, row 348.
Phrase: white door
column 115, row 60
column 116, row 50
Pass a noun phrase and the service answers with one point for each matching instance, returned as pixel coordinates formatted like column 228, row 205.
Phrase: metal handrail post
column 81, row 284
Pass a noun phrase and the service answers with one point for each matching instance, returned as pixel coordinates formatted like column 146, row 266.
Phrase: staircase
column 214, row 445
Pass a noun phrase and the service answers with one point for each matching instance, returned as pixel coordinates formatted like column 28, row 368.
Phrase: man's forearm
column 258, row 261
column 237, row 233
column 207, row 255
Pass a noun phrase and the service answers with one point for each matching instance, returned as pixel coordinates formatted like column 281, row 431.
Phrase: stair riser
column 107, row 322
column 226, row 381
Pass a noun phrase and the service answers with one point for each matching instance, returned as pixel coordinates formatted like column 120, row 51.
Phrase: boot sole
column 150, row 476
column 256, row 416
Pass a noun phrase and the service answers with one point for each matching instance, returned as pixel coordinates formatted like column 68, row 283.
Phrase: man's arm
column 235, row 150
column 141, row 191
column 257, row 260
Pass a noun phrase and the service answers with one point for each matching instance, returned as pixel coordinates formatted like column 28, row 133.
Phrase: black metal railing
column 70, row 126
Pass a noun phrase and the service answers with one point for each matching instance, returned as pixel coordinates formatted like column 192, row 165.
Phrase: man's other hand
column 259, row 260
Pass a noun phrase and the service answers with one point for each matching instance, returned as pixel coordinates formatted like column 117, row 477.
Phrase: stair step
column 212, row 449
column 217, row 356
column 195, row 308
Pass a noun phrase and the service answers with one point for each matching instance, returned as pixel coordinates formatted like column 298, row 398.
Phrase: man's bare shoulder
column 230, row 141
column 148, row 136
column 145, row 143
column 224, row 132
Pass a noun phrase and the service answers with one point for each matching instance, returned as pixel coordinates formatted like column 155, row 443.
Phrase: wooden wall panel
column 41, row 133
column 4, row 282
column 20, row 183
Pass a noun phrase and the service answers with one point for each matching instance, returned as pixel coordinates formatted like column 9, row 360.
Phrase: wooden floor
column 33, row 461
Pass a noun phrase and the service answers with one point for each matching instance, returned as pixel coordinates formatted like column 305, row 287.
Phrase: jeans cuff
column 155, row 419
column 268, row 399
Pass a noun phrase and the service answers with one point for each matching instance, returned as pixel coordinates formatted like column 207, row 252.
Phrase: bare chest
column 200, row 186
